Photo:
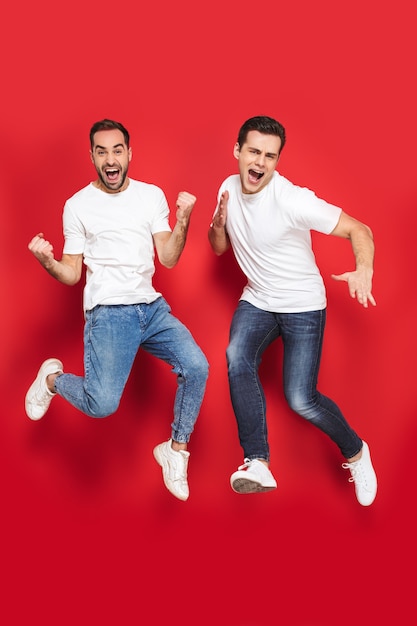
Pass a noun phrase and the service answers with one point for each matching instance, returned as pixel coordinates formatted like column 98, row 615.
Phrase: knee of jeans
column 230, row 354
column 197, row 370
column 194, row 370
column 237, row 362
column 103, row 406
column 298, row 402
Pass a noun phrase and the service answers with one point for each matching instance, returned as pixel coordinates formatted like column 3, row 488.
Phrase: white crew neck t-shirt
column 114, row 234
column 270, row 235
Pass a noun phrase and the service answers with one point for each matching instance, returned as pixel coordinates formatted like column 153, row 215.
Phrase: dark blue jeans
column 252, row 331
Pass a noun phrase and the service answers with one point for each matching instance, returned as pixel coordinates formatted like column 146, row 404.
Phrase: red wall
column 89, row 534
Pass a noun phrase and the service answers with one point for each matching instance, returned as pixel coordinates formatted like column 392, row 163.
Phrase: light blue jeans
column 252, row 331
column 112, row 337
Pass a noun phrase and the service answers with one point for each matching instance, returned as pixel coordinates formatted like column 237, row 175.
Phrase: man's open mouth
column 112, row 174
column 255, row 176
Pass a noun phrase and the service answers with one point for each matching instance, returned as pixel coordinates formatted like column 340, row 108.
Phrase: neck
column 99, row 185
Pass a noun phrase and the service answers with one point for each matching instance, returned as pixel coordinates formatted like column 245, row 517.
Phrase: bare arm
column 218, row 237
column 169, row 246
column 67, row 270
column 359, row 281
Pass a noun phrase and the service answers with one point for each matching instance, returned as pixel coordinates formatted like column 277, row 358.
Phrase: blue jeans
column 252, row 331
column 112, row 337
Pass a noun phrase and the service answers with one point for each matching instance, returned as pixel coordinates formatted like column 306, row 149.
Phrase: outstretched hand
column 359, row 284
column 219, row 219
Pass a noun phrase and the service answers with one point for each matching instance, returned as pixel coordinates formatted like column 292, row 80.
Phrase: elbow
column 369, row 231
column 72, row 278
column 70, row 282
column 219, row 248
column 360, row 231
column 366, row 233
column 168, row 263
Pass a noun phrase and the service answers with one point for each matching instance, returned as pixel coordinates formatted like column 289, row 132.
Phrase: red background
column 89, row 533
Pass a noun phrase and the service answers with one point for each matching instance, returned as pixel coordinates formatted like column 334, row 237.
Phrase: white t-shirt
column 270, row 235
column 114, row 233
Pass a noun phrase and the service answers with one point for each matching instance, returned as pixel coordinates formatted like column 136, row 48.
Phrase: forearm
column 218, row 239
column 174, row 246
column 61, row 271
column 363, row 247
column 362, row 241
column 67, row 270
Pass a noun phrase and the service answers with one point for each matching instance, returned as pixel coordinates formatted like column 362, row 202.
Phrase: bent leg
column 169, row 340
column 111, row 340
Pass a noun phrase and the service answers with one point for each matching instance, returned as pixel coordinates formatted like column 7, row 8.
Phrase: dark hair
column 263, row 124
column 108, row 125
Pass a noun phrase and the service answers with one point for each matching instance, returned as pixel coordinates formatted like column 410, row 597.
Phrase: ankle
column 355, row 458
column 177, row 446
column 50, row 382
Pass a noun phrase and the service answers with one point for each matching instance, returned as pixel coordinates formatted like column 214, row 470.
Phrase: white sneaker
column 174, row 468
column 38, row 398
column 364, row 477
column 252, row 477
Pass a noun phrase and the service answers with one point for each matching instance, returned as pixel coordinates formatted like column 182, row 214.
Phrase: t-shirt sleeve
column 74, row 233
column 310, row 212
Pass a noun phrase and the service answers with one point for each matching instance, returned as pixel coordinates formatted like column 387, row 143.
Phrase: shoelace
column 357, row 473
column 246, row 463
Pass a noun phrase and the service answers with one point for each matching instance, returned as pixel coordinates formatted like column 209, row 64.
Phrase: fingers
column 358, row 289
column 224, row 198
column 185, row 200
column 364, row 298
column 35, row 240
column 219, row 219
column 40, row 246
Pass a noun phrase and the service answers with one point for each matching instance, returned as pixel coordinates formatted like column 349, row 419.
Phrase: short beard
column 107, row 186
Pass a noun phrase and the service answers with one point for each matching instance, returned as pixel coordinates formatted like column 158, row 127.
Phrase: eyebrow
column 118, row 145
column 271, row 154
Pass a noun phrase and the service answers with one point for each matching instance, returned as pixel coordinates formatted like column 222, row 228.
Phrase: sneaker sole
column 243, row 485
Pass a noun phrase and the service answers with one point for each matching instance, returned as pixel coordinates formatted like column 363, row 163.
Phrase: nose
column 260, row 160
